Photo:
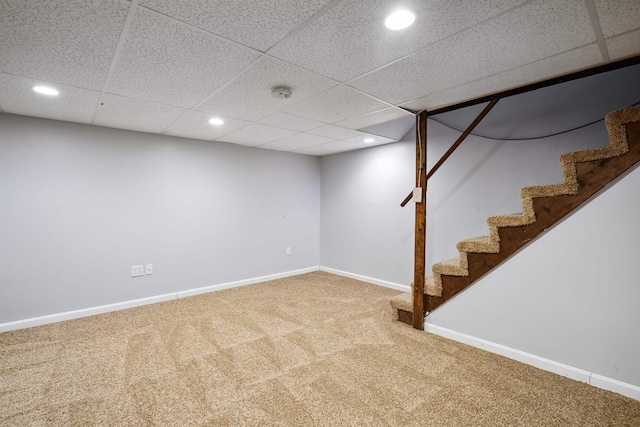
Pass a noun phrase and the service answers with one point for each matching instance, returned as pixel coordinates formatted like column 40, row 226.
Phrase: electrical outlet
column 288, row 251
column 148, row 269
column 137, row 270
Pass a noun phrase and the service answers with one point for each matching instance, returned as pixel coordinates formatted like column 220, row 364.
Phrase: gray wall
column 365, row 231
column 81, row 204
column 363, row 228
column 571, row 296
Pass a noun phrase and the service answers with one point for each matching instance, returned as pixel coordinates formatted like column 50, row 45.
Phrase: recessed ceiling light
column 46, row 90
column 216, row 121
column 399, row 20
column 369, row 140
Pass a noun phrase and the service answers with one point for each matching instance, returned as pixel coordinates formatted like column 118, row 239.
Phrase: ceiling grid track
column 477, row 24
column 319, row 14
column 116, row 55
column 377, row 99
column 301, row 27
column 501, row 72
column 212, row 94
column 597, row 29
column 170, row 67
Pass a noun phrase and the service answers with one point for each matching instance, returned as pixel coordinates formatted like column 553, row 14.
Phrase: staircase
column 584, row 174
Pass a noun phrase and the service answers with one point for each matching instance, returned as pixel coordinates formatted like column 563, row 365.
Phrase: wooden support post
column 421, row 222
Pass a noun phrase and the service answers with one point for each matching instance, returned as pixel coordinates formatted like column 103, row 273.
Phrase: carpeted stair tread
column 616, row 126
column 450, row 267
column 431, row 288
column 616, row 122
column 592, row 154
column 512, row 220
column 480, row 245
column 549, row 190
column 404, row 301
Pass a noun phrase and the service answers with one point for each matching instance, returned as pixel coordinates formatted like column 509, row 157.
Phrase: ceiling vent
column 281, row 92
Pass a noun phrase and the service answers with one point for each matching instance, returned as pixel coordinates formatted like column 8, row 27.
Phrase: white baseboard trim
column 572, row 372
column 404, row 288
column 615, row 386
column 84, row 312
column 238, row 283
column 75, row 314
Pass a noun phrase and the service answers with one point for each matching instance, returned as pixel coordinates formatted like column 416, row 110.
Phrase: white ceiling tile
column 618, row 16
column 381, row 116
column 624, row 45
column 535, row 31
column 351, row 38
column 335, row 132
column 254, row 23
column 394, row 129
column 256, row 134
column 196, row 125
column 248, row 97
column 133, row 114
column 330, row 148
column 64, row 41
column 377, row 140
column 297, row 142
column 72, row 104
column 170, row 60
column 339, row 103
column 540, row 70
column 289, row 121
column 172, row 63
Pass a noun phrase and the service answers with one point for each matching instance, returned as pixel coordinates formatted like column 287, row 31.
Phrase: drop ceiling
column 168, row 66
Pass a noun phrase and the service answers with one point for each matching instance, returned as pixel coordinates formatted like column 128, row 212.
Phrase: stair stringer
column 453, row 275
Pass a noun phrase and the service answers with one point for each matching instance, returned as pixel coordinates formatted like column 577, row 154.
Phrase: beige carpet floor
column 315, row 349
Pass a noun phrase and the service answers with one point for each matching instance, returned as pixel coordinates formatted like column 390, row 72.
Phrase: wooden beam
column 455, row 145
column 421, row 222
column 462, row 137
column 407, row 199
column 610, row 66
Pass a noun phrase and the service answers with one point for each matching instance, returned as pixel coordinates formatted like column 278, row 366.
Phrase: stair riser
column 405, row 317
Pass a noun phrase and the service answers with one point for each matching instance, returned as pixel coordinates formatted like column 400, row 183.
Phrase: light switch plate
column 148, row 269
column 417, row 194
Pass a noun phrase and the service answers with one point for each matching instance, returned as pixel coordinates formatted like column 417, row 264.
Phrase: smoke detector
column 281, row 92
